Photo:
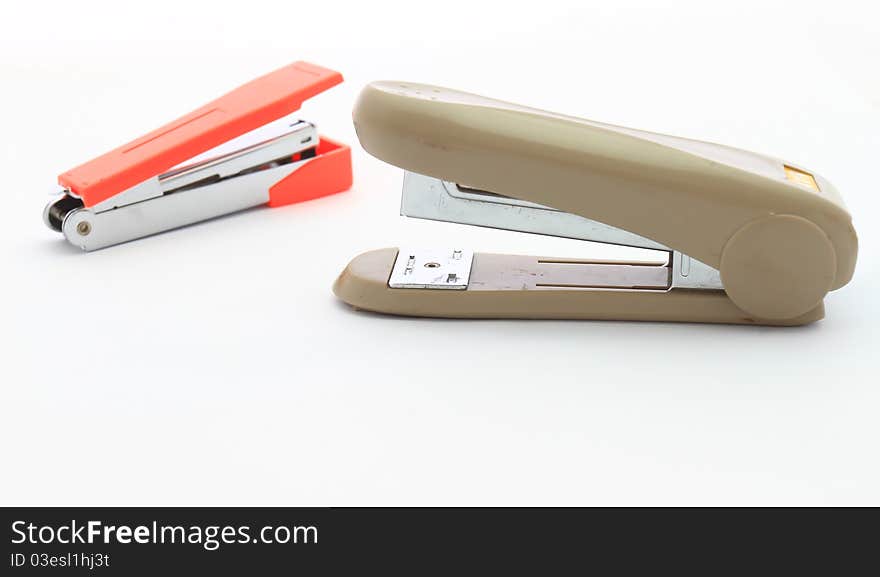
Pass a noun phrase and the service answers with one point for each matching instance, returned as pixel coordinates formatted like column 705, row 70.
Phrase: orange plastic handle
column 247, row 107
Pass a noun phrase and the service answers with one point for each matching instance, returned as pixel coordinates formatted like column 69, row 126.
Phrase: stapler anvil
column 180, row 173
column 748, row 238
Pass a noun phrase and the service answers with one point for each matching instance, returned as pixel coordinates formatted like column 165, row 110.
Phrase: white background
column 212, row 365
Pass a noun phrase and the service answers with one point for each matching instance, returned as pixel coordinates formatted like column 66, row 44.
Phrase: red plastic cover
column 247, row 107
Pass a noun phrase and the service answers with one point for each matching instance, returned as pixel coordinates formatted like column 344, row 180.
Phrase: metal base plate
column 432, row 269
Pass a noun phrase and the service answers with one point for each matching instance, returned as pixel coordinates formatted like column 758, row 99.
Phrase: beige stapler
column 750, row 239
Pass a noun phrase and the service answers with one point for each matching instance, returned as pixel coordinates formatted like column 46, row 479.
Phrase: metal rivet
column 84, row 228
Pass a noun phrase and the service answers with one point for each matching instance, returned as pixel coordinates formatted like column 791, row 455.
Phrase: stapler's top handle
column 247, row 107
column 779, row 234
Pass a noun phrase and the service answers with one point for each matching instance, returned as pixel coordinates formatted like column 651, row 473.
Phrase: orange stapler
column 215, row 160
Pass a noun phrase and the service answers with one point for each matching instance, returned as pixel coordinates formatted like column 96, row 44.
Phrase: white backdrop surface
column 212, row 365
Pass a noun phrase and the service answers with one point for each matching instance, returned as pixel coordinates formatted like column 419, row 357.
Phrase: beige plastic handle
column 780, row 243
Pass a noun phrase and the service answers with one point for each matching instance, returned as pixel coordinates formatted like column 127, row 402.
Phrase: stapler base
column 493, row 294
